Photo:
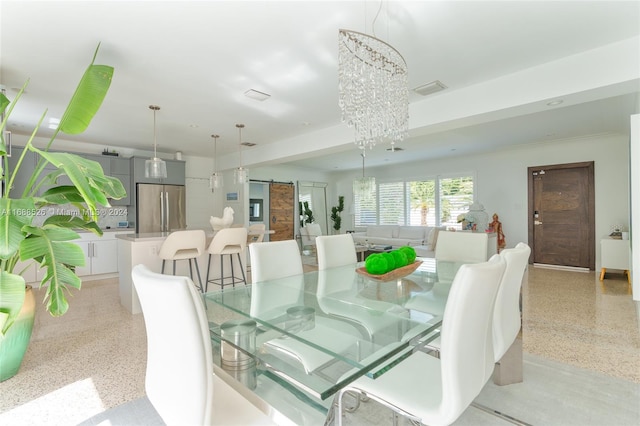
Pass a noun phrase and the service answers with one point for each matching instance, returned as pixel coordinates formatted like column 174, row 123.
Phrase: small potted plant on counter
column 49, row 244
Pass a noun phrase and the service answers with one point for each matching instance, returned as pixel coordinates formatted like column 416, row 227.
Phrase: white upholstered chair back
column 506, row 318
column 179, row 379
column 183, row 245
column 335, row 250
column 274, row 259
column 466, row 247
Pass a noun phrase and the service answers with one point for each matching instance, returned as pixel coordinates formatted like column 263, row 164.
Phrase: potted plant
column 48, row 244
column 335, row 214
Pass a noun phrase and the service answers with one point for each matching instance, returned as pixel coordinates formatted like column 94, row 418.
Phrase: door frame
column 591, row 207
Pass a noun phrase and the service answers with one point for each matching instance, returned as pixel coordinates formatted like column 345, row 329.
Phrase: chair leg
column 206, row 288
column 233, row 276
column 174, row 267
column 190, row 270
column 163, row 260
column 221, row 271
column 244, row 278
column 198, row 272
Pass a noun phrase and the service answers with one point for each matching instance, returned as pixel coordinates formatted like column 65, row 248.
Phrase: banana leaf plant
column 50, row 244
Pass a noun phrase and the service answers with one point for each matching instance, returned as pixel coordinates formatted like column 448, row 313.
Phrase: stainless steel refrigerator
column 160, row 208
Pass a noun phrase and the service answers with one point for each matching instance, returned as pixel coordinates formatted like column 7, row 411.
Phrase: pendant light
column 215, row 181
column 155, row 167
column 240, row 175
column 364, row 187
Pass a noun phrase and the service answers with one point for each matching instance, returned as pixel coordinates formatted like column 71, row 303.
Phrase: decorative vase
column 14, row 345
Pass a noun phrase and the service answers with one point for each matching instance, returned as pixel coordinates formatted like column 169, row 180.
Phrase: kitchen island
column 143, row 248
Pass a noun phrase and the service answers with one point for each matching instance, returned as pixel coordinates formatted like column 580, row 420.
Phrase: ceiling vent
column 429, row 88
column 248, row 144
column 395, row 148
column 258, row 96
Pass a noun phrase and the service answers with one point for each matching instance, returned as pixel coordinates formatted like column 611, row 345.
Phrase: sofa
column 422, row 238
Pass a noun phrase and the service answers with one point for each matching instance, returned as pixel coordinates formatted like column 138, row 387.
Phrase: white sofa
column 423, row 238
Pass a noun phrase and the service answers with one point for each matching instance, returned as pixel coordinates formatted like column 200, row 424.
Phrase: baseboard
column 561, row 267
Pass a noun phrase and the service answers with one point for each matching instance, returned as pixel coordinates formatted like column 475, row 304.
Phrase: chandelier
column 373, row 94
column 240, row 175
column 155, row 167
column 364, row 187
column 215, row 180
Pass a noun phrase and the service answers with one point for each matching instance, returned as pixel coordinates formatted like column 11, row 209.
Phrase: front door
column 562, row 215
column 281, row 220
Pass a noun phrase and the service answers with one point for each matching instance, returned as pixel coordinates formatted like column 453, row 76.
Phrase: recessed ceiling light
column 429, row 88
column 395, row 148
column 248, row 144
column 257, row 95
column 555, row 102
column 193, row 126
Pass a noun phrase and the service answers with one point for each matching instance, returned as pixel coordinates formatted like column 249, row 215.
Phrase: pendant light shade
column 240, row 175
column 155, row 167
column 364, row 187
column 215, row 180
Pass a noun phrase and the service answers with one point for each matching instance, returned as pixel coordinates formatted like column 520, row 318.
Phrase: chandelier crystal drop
column 364, row 187
column 240, row 175
column 155, row 167
column 373, row 89
column 215, row 180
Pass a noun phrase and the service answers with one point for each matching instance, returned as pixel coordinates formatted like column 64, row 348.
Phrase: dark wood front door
column 281, row 198
column 562, row 215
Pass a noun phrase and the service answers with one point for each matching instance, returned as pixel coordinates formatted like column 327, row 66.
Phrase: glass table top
column 315, row 333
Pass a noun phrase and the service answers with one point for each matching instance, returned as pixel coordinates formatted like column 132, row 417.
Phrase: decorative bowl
column 391, row 275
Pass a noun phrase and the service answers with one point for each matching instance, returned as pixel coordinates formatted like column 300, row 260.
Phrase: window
column 432, row 202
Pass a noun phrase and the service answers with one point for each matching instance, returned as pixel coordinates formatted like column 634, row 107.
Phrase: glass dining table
column 294, row 342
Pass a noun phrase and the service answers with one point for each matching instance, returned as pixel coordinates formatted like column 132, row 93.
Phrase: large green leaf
column 87, row 176
column 14, row 214
column 87, row 98
column 59, row 256
column 11, row 299
column 73, row 222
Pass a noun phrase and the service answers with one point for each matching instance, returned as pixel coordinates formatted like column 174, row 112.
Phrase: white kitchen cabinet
column 101, row 254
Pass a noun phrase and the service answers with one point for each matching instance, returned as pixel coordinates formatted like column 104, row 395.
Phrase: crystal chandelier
column 215, row 180
column 240, row 175
column 373, row 94
column 364, row 187
column 155, row 167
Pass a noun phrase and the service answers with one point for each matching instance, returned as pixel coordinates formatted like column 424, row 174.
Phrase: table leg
column 509, row 369
column 602, row 272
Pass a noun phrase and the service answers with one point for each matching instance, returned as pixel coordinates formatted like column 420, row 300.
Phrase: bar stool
column 227, row 241
column 184, row 245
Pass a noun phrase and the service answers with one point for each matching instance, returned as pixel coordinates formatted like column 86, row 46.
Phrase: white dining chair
column 507, row 315
column 183, row 245
column 460, row 246
column 335, row 250
column 281, row 260
column 436, row 391
column 180, row 382
column 274, row 259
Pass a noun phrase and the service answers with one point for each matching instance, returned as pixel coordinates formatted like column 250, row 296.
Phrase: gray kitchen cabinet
column 24, row 173
column 175, row 172
column 120, row 168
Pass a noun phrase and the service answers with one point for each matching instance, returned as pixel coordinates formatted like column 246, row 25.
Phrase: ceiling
column 196, row 60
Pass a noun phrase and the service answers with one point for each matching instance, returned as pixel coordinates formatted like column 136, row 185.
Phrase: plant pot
column 14, row 345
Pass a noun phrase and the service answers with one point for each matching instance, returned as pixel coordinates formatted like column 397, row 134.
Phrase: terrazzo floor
column 580, row 338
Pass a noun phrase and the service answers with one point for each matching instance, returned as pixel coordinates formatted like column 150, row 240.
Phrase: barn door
column 562, row 215
column 281, row 209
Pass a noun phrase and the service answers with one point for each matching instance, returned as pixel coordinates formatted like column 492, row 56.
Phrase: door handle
column 94, row 250
column 161, row 211
column 166, row 196
column 537, row 222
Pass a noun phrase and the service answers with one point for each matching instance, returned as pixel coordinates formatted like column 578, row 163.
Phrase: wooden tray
column 391, row 275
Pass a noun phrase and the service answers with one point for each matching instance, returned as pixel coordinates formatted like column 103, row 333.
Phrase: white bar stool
column 184, row 245
column 227, row 241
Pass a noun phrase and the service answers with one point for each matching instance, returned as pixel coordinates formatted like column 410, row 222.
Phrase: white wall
column 635, row 207
column 501, row 179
